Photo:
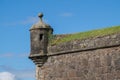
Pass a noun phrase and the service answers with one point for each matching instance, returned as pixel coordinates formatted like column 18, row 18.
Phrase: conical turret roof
column 40, row 24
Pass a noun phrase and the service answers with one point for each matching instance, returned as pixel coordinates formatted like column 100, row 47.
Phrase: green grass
column 85, row 35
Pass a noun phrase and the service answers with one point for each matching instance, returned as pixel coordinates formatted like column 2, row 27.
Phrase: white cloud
column 6, row 76
column 6, row 55
column 25, row 74
column 14, row 55
column 28, row 20
column 19, row 74
column 66, row 14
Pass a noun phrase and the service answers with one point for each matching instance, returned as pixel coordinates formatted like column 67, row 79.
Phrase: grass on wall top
column 85, row 35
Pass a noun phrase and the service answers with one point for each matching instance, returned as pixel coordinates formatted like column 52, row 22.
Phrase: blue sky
column 17, row 16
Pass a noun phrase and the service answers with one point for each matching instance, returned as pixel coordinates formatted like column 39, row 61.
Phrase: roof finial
column 40, row 15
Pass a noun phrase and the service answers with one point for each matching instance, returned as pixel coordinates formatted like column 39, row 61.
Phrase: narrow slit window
column 41, row 37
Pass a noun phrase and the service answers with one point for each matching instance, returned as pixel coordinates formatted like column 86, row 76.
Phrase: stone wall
column 90, row 59
column 78, row 45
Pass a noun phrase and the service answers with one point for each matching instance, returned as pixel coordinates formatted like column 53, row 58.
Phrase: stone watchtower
column 39, row 34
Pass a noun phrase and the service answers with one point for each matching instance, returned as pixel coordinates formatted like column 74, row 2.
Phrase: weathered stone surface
column 75, row 45
column 64, row 63
column 100, row 64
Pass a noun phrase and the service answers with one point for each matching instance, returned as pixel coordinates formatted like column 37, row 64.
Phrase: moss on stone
column 85, row 35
